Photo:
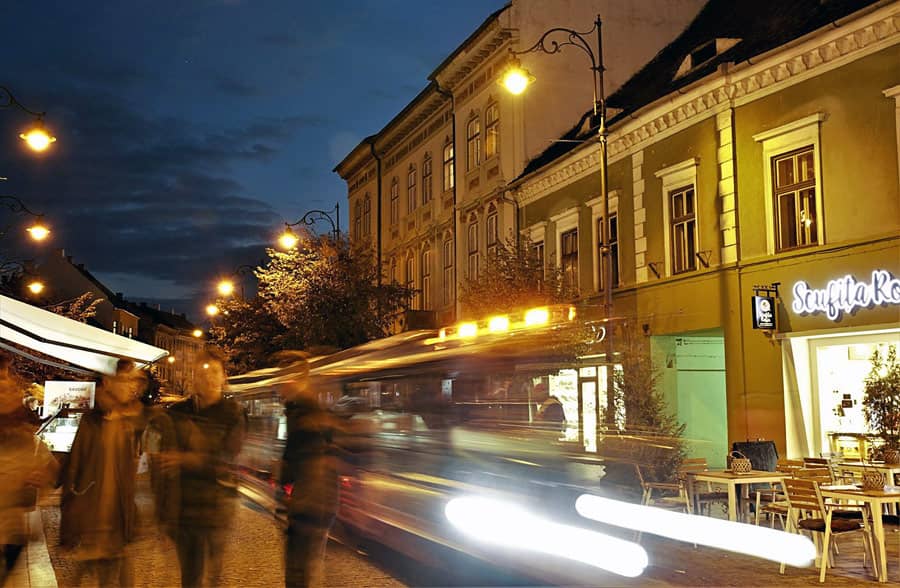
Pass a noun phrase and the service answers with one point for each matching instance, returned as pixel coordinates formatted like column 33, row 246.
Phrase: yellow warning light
column 498, row 324
column 537, row 316
column 467, row 330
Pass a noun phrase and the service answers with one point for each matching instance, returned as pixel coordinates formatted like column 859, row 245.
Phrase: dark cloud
column 283, row 40
column 235, row 87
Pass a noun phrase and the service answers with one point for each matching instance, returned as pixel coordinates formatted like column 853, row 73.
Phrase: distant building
column 66, row 280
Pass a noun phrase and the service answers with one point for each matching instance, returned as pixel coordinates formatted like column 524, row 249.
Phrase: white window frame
column 782, row 140
column 596, row 206
column 564, row 222
column 411, row 197
column 449, row 272
column 675, row 177
column 425, row 280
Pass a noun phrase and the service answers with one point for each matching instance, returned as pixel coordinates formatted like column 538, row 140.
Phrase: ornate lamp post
column 289, row 239
column 37, row 137
column 516, row 79
column 38, row 231
column 226, row 286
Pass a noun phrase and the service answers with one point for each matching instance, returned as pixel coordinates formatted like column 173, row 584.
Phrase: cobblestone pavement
column 253, row 556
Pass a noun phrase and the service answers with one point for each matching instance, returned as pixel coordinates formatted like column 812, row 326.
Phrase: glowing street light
column 171, row 359
column 197, row 333
column 212, row 309
column 515, row 78
column 37, row 138
column 36, row 287
column 38, row 232
column 288, row 239
column 225, row 287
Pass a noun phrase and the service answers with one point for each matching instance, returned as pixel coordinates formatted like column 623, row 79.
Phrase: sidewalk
column 34, row 568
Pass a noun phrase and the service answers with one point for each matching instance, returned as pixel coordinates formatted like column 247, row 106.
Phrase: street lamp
column 289, row 239
column 516, row 79
column 36, row 287
column 37, row 138
column 212, row 309
column 225, row 287
column 37, row 231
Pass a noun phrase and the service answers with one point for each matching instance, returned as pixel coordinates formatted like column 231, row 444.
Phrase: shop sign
column 763, row 312
column 846, row 295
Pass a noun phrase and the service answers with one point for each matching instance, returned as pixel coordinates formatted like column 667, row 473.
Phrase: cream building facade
column 429, row 191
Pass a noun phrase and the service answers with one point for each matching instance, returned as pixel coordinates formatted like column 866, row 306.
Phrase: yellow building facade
column 778, row 172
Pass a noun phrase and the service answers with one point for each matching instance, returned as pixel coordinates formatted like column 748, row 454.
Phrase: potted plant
column 881, row 402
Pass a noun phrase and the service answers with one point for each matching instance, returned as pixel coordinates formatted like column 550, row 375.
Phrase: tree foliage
column 514, row 278
column 324, row 294
column 652, row 431
column 881, row 402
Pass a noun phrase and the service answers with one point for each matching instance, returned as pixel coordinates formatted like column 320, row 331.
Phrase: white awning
column 68, row 340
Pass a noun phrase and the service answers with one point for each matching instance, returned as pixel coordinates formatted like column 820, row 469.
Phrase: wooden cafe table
column 858, row 467
column 732, row 480
column 875, row 500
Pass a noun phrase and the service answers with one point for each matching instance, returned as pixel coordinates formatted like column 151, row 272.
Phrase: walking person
column 26, row 465
column 309, row 467
column 209, row 432
column 98, row 511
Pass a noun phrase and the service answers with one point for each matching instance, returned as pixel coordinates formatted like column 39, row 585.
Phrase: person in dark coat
column 209, row 432
column 97, row 505
column 309, row 468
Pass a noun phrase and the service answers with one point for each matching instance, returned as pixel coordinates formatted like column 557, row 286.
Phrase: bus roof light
column 537, row 316
column 467, row 330
column 498, row 324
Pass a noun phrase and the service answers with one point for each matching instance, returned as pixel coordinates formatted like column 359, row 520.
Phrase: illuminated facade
column 429, row 191
column 738, row 164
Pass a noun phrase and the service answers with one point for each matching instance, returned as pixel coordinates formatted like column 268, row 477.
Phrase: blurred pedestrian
column 209, row 432
column 26, row 464
column 309, row 467
column 97, row 503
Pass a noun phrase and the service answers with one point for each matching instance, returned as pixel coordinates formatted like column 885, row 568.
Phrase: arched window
column 426, row 179
column 357, row 220
column 367, row 216
column 448, row 277
column 395, row 201
column 411, row 279
column 425, row 270
column 492, row 236
column 472, row 247
column 393, row 270
column 473, row 144
column 411, row 189
column 491, row 131
column 449, row 167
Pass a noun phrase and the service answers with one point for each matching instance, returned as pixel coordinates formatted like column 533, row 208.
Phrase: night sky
column 189, row 130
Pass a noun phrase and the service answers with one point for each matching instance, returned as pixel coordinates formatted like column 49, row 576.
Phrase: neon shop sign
column 846, row 295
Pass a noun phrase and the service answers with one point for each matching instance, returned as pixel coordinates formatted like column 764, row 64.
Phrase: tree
column 248, row 333
column 327, row 293
column 515, row 277
column 881, row 402
column 653, row 433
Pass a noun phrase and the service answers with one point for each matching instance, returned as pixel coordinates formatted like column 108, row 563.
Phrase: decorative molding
column 640, row 216
column 726, row 190
column 687, row 166
column 790, row 127
column 895, row 94
column 827, row 50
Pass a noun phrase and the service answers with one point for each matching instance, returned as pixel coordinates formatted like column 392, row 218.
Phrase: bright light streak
column 496, row 522
column 467, row 330
column 498, row 324
column 763, row 542
column 537, row 316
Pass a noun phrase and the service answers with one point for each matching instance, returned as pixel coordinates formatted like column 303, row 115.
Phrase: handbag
column 740, row 463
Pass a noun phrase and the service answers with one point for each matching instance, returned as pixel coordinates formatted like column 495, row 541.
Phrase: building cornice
column 829, row 49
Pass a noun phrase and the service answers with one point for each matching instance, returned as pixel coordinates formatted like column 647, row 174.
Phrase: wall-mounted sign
column 763, row 312
column 846, row 295
column 76, row 395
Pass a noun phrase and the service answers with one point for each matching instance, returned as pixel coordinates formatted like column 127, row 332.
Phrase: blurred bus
column 502, row 408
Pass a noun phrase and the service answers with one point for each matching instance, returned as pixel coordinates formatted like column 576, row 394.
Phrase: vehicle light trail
column 496, row 522
column 763, row 542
